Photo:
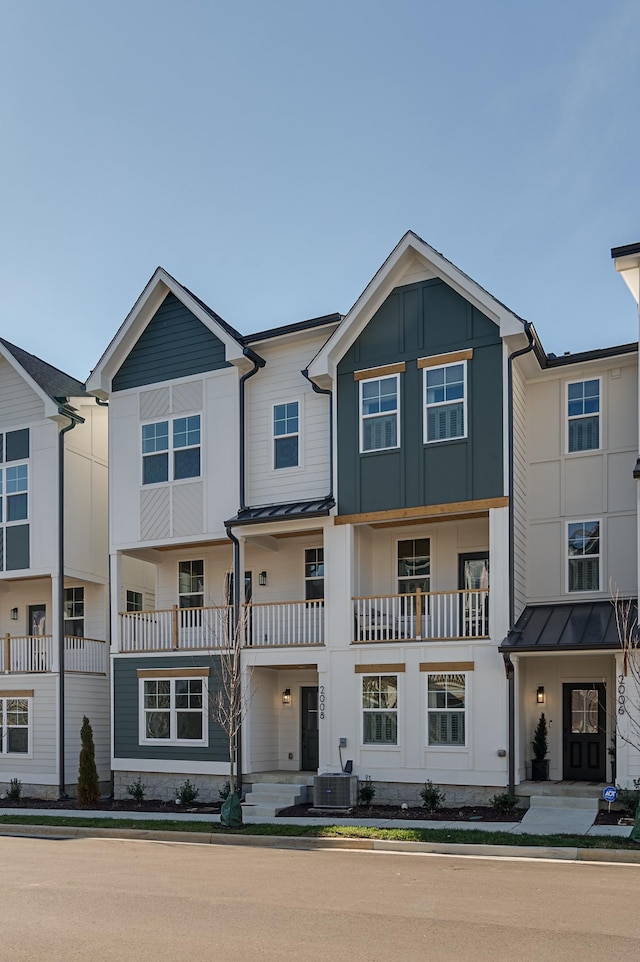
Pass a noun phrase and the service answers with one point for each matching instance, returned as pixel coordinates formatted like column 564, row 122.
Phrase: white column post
column 498, row 573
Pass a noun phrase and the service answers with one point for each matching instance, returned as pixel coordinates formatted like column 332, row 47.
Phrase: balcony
column 35, row 653
column 432, row 616
column 273, row 624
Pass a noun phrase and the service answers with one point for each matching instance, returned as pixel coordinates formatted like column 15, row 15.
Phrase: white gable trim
column 390, row 274
column 161, row 284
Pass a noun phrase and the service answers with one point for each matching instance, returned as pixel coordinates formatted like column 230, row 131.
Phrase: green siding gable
column 421, row 320
column 174, row 344
column 126, row 711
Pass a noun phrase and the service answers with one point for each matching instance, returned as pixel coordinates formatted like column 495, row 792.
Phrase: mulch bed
column 465, row 813
column 114, row 805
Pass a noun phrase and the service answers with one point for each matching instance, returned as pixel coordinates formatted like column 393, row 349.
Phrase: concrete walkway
column 554, row 815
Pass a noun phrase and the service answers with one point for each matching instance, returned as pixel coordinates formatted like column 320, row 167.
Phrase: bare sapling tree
column 628, row 684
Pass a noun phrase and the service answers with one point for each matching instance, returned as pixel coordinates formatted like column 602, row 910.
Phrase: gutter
column 509, row 667
column 236, row 639
column 74, row 419
column 321, row 390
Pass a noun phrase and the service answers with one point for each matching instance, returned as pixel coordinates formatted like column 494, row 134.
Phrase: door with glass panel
column 584, row 732
column 473, row 582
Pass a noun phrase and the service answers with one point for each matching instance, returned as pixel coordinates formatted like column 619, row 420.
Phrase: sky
column 271, row 153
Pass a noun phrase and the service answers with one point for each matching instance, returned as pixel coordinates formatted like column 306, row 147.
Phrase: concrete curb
column 571, row 854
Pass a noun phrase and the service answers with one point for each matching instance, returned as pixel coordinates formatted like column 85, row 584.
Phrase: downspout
column 105, row 404
column 321, row 390
column 258, row 362
column 509, row 667
column 234, row 624
column 74, row 419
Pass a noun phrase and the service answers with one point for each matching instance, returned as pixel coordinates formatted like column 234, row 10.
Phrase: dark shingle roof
column 583, row 626
column 53, row 382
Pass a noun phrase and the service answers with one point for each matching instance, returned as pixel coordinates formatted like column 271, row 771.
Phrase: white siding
column 281, row 381
column 19, row 403
column 86, row 695
column 40, row 766
column 519, row 493
column 86, row 534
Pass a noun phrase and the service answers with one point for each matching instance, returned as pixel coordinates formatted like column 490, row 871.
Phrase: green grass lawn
column 460, row 835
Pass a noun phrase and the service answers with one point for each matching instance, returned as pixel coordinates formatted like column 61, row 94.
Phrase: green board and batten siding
column 421, row 320
column 126, row 709
column 174, row 344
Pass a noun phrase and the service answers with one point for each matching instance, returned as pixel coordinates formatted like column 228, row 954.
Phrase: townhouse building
column 419, row 513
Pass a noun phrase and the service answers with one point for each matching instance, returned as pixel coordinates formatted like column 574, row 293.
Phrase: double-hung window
column 178, row 437
column 134, row 600
column 14, row 499
column 74, row 611
column 583, row 415
column 14, row 725
column 286, row 435
column 446, row 709
column 414, row 565
column 380, row 413
column 445, row 391
column 191, row 584
column 174, row 710
column 583, row 561
column 313, row 574
column 380, row 709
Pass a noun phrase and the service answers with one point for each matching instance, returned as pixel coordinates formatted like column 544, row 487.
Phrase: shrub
column 15, row 790
column 225, row 791
column 432, row 797
column 88, row 787
column 187, row 793
column 366, row 791
column 540, row 744
column 503, row 804
column 630, row 797
column 137, row 790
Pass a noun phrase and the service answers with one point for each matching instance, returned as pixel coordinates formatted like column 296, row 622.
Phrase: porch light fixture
column 286, row 696
column 540, row 695
column 14, row 614
column 262, row 578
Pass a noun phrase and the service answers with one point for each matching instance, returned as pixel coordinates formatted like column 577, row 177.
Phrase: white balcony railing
column 284, row 623
column 35, row 653
column 432, row 616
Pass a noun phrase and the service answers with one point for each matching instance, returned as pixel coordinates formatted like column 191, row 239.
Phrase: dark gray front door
column 309, row 729
column 584, row 732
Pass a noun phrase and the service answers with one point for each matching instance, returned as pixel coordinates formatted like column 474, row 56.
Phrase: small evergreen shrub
column 503, row 804
column 137, row 790
column 15, row 790
column 187, row 793
column 88, row 787
column 366, row 791
column 630, row 797
column 540, row 744
column 432, row 797
column 225, row 791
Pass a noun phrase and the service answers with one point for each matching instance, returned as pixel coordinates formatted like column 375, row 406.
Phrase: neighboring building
column 419, row 497
column 42, row 412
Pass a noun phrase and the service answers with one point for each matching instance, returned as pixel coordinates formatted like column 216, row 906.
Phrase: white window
column 191, row 584
column 74, row 612
column 286, row 435
column 14, row 499
column 583, row 413
column 380, row 709
column 380, row 413
column 184, row 433
column 583, row 561
column 414, row 565
column 446, row 709
column 445, row 390
column 15, row 736
column 313, row 574
column 173, row 711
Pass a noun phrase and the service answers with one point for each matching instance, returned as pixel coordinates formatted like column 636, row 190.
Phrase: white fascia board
column 629, row 268
column 50, row 406
column 99, row 381
column 381, row 285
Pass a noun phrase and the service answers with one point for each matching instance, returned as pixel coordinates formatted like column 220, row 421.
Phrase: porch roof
column 283, row 512
column 582, row 626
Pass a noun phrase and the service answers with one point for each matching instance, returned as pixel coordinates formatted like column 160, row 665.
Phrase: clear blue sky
column 271, row 153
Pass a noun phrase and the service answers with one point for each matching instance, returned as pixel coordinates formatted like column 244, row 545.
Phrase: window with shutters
column 445, row 390
column 380, row 709
column 583, row 561
column 583, row 415
column 446, row 709
column 380, row 413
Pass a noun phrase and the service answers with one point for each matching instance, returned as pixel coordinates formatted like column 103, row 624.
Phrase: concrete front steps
column 558, row 814
column 266, row 799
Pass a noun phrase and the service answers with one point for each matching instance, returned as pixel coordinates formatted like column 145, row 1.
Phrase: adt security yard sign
column 609, row 794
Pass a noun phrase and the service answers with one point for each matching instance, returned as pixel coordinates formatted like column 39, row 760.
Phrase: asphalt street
column 104, row 899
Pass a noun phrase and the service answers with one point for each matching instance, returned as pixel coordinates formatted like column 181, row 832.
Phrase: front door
column 37, row 620
column 309, row 729
column 584, row 732
column 473, row 581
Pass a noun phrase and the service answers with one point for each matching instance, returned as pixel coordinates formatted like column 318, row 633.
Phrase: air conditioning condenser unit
column 335, row 791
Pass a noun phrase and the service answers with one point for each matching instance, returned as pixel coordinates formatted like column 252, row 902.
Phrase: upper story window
column 191, row 584
column 74, row 611
column 583, row 412
column 313, row 573
column 286, row 435
column 414, row 565
column 134, row 600
column 583, row 543
column 14, row 478
column 379, row 413
column 183, row 434
column 445, row 395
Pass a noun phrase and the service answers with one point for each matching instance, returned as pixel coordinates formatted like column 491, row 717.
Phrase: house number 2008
column 321, row 701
